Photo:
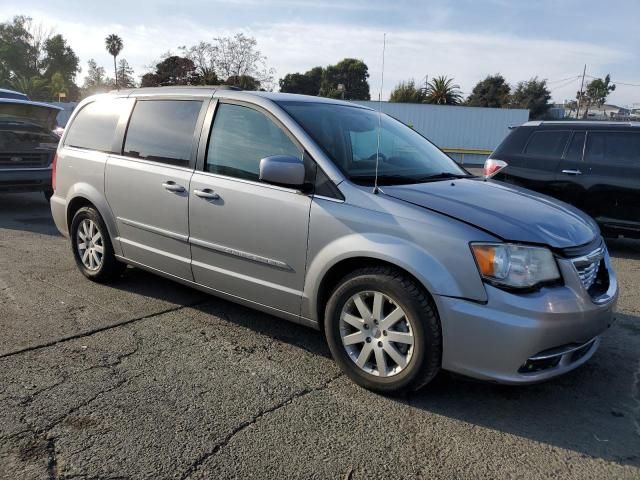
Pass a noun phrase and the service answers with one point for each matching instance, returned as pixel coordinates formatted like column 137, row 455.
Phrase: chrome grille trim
column 588, row 266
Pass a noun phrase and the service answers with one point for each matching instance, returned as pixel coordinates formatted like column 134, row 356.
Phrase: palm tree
column 114, row 46
column 442, row 91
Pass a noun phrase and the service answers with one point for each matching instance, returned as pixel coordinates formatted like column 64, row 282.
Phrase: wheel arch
column 85, row 195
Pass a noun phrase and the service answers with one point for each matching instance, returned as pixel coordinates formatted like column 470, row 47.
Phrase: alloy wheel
column 376, row 333
column 90, row 244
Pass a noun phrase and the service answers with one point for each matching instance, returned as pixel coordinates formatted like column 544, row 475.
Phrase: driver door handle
column 207, row 194
column 173, row 186
column 572, row 172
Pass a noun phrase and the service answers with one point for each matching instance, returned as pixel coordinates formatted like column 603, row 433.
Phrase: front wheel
column 383, row 330
column 92, row 249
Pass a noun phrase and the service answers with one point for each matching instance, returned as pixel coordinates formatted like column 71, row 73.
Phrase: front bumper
column 25, row 179
column 526, row 338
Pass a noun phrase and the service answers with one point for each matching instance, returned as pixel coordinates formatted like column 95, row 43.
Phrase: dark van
column 594, row 166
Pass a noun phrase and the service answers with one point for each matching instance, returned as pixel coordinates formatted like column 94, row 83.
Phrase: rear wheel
column 383, row 330
column 92, row 248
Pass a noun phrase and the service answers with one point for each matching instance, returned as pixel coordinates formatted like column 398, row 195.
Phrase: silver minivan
column 331, row 215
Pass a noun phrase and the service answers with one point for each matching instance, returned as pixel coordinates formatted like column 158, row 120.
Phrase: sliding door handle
column 572, row 172
column 173, row 186
column 207, row 194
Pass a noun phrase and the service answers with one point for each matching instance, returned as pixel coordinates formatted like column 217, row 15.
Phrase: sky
column 463, row 39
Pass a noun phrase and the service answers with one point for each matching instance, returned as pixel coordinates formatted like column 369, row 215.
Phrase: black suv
column 592, row 165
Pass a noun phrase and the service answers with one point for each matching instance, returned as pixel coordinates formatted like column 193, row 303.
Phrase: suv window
column 94, row 126
column 574, row 152
column 162, row 131
column 547, row 143
column 621, row 148
column 240, row 138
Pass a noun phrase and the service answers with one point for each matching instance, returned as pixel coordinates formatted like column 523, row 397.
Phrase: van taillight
column 54, row 164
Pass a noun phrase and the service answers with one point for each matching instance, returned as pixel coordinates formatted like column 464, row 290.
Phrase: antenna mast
column 375, row 184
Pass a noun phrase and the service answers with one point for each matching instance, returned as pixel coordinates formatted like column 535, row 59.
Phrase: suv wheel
column 383, row 330
column 92, row 249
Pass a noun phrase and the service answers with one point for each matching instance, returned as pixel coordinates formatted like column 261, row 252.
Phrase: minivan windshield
column 349, row 136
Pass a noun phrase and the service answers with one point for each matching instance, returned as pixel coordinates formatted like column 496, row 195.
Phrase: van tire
column 109, row 268
column 420, row 319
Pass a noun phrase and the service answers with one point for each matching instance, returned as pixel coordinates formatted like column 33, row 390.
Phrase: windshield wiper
column 383, row 179
column 442, row 176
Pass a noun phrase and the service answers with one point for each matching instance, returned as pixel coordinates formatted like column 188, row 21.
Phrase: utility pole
column 581, row 89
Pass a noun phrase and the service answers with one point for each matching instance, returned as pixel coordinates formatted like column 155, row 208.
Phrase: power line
column 575, row 77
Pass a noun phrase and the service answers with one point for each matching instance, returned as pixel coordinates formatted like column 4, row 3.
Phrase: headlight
column 515, row 266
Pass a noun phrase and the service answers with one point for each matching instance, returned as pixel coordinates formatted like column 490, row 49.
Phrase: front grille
column 23, row 159
column 588, row 266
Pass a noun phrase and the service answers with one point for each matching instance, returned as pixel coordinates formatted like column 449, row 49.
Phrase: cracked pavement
column 149, row 379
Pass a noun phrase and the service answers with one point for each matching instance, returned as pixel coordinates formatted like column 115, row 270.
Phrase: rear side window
column 547, row 143
column 94, row 126
column 618, row 148
column 574, row 152
column 162, row 131
column 240, row 138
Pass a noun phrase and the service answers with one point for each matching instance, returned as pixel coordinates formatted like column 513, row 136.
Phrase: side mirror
column 282, row 170
column 492, row 167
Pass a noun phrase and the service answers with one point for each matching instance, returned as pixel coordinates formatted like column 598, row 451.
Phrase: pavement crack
column 52, row 460
column 88, row 333
column 254, row 419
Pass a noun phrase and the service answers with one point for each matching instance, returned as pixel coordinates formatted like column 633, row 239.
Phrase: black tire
column 48, row 193
column 110, row 268
column 420, row 311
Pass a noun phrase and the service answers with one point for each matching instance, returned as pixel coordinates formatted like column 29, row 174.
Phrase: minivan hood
column 511, row 213
column 41, row 114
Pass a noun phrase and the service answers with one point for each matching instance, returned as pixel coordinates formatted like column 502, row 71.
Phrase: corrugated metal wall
column 457, row 128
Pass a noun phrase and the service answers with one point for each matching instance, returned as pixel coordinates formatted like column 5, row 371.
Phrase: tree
column 442, row 91
column 173, row 70
column 307, row 83
column 596, row 94
column 125, row 74
column 60, row 58
column 492, row 92
column 57, row 85
column 96, row 81
column 245, row 82
column 237, row 57
column 16, row 51
column 35, row 86
column 114, row 46
column 352, row 74
column 533, row 95
column 406, row 92
column 202, row 56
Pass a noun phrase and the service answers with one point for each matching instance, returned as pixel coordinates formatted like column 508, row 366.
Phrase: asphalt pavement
column 149, row 379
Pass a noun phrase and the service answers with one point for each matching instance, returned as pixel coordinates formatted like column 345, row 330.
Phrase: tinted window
column 240, row 138
column 621, row 148
column 162, row 130
column 95, row 125
column 547, row 144
column 574, row 152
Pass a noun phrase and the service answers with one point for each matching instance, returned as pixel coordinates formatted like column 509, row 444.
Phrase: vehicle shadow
column 27, row 212
column 624, row 248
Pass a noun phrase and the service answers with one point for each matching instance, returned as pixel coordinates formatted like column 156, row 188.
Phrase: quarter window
column 240, row 138
column 94, row 126
column 547, row 144
column 618, row 148
column 162, row 131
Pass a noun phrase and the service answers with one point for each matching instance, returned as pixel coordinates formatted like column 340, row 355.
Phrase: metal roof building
column 467, row 134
